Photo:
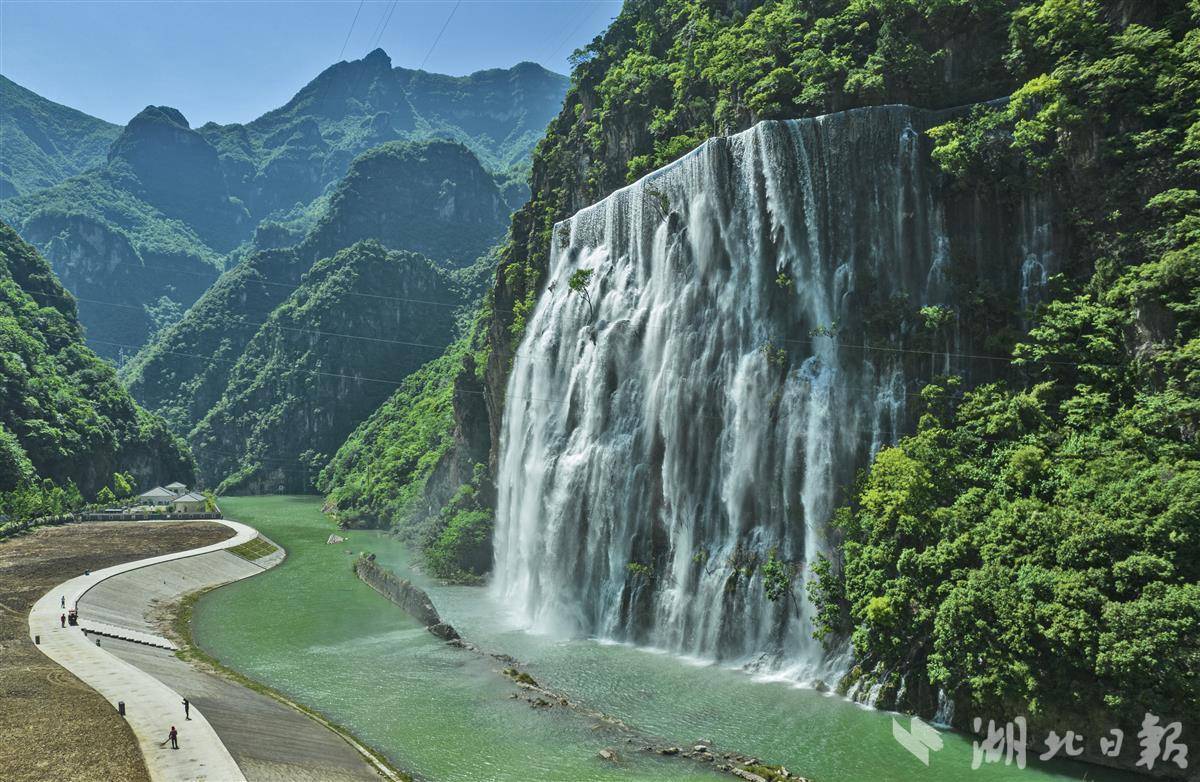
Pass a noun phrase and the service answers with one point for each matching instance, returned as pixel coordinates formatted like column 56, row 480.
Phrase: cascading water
column 698, row 409
column 1039, row 259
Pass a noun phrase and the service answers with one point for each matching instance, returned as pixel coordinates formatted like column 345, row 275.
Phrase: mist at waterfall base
column 312, row 630
column 704, row 407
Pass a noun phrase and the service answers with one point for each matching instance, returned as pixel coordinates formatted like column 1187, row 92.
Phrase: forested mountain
column 431, row 197
column 1032, row 548
column 288, row 156
column 45, row 142
column 359, row 323
column 64, row 415
column 144, row 232
column 139, row 237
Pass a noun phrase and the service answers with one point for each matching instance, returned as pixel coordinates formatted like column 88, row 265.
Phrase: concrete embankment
column 127, row 652
column 150, row 707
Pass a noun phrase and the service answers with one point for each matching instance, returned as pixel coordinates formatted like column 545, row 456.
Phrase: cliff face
column 758, row 321
column 430, row 197
column 1066, row 273
column 151, row 222
column 602, row 138
column 659, row 81
column 179, row 173
column 117, row 285
column 64, row 410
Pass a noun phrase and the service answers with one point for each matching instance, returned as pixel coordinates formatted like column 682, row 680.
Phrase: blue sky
column 232, row 60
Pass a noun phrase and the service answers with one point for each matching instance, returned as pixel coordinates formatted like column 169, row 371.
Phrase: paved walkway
column 151, row 707
column 270, row 741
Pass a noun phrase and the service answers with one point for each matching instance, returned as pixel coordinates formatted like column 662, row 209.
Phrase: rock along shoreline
column 416, row 603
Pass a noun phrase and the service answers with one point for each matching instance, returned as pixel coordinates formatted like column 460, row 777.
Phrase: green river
column 311, row 630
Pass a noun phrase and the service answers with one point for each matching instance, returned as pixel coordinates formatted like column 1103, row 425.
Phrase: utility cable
column 351, row 30
column 439, row 35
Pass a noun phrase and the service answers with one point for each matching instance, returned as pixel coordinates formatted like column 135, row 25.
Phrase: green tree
column 578, row 284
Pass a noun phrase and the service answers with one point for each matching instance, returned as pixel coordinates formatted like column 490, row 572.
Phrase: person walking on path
column 186, row 708
column 172, row 737
column 63, row 601
column 63, row 620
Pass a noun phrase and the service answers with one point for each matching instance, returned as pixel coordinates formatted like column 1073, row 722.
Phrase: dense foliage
column 379, row 473
column 1034, row 547
column 64, row 416
column 320, row 364
column 664, row 76
column 37, row 502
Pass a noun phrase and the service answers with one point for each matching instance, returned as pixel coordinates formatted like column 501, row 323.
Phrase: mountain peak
column 378, row 56
column 161, row 114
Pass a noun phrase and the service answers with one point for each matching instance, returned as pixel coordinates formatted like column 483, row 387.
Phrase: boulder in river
column 444, row 631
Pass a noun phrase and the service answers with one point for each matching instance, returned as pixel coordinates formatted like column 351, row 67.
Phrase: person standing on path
column 186, row 708
column 63, row 601
column 63, row 619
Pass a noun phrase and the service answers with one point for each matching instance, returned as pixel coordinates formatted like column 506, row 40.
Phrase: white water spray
column 708, row 414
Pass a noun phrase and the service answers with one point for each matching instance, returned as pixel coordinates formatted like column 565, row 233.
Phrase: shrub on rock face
column 458, row 546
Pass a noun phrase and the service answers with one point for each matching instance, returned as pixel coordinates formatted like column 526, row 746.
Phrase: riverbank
column 54, row 726
column 306, row 759
column 263, row 739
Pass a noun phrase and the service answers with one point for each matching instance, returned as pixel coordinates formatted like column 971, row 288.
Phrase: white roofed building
column 156, row 496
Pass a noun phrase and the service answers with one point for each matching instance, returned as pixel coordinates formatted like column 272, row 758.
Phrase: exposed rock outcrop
column 411, row 598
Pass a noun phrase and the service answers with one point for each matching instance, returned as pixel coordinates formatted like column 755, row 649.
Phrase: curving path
column 151, row 707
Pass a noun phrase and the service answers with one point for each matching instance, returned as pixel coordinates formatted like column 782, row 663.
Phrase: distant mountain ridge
column 448, row 208
column 145, row 231
column 294, row 347
column 45, row 142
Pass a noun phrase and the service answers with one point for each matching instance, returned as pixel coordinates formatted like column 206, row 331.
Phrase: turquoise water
column 310, row 629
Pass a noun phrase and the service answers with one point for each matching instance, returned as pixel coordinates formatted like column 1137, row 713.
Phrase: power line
column 678, row 375
column 351, row 30
column 439, row 35
column 259, row 324
column 789, row 340
column 588, row 13
column 379, row 24
column 289, row 286
column 386, row 21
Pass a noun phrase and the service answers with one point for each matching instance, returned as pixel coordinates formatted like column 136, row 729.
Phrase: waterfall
column 1038, row 249
column 701, row 410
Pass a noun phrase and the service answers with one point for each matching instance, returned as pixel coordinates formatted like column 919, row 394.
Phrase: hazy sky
column 232, row 60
